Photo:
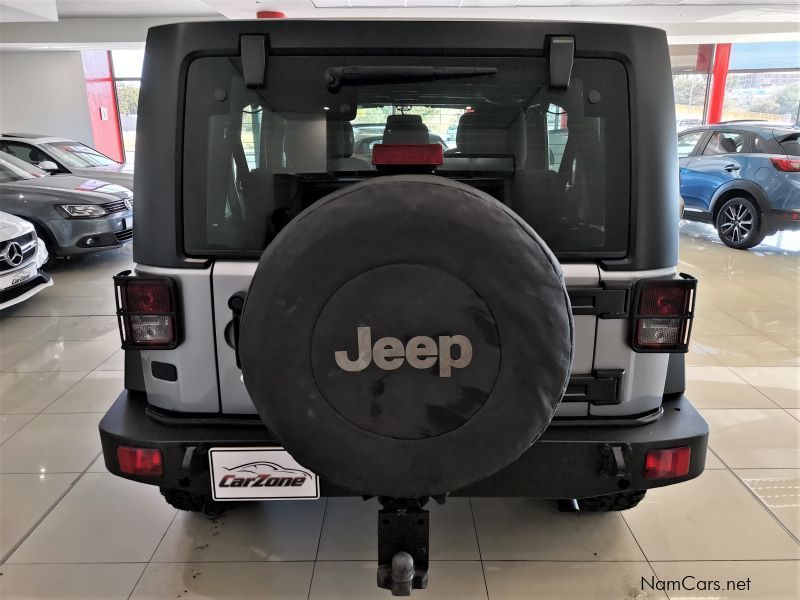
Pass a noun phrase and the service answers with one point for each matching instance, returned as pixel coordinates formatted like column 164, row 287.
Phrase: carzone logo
column 260, row 474
column 263, row 474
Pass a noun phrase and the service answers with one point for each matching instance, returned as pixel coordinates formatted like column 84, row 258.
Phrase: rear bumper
column 566, row 462
column 782, row 220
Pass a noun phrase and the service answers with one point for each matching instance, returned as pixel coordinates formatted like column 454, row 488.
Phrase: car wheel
column 738, row 224
column 611, row 502
column 190, row 502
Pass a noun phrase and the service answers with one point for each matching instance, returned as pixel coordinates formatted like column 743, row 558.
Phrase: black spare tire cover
column 406, row 336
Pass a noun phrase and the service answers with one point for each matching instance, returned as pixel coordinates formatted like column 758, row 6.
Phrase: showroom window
column 127, row 78
column 763, row 83
column 690, row 68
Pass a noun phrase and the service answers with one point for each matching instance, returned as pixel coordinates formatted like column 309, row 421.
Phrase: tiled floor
column 68, row 529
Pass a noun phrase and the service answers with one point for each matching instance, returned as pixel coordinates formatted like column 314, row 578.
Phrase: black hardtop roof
column 470, row 36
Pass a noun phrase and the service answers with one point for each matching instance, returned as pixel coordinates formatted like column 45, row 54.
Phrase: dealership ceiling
column 58, row 24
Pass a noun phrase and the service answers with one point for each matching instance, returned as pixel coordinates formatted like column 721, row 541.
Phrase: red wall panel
column 102, row 98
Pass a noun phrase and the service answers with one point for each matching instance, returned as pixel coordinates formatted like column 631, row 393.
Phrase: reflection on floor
column 68, row 529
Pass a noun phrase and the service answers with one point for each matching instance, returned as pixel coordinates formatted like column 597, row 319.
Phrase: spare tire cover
column 406, row 336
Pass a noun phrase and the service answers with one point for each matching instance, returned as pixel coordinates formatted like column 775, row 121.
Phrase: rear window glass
column 791, row 144
column 255, row 158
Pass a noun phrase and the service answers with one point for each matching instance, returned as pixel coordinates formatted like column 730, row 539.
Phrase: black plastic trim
column 566, row 462
column 601, row 388
column 604, row 302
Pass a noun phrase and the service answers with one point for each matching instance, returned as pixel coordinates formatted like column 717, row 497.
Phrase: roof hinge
column 253, row 50
column 560, row 51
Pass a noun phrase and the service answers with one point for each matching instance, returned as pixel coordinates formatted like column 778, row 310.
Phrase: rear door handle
column 730, row 168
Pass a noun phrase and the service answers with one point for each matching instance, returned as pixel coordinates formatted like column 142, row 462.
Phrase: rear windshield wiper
column 336, row 77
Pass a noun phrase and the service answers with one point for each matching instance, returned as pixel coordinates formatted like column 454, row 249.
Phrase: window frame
column 746, row 146
column 700, row 141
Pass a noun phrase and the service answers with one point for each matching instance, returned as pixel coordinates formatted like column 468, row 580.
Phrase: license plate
column 17, row 277
column 126, row 224
column 259, row 474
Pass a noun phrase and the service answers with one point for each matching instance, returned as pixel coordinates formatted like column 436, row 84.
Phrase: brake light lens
column 407, row 154
column 664, row 313
column 791, row 165
column 146, row 462
column 669, row 462
column 146, row 310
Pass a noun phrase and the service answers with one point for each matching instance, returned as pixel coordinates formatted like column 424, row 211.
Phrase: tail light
column 146, row 311
column 663, row 316
column 791, row 165
column 407, row 154
column 146, row 462
column 669, row 462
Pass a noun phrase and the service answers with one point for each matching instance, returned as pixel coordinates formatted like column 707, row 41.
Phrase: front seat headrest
column 340, row 139
column 405, row 129
column 482, row 133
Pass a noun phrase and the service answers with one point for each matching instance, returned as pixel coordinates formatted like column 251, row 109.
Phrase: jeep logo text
column 421, row 352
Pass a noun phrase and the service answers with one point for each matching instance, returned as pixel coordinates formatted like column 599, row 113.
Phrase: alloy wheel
column 736, row 222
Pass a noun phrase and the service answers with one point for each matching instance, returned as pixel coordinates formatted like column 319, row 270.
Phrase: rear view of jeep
column 332, row 296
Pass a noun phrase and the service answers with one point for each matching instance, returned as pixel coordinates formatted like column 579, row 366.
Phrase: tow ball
column 403, row 540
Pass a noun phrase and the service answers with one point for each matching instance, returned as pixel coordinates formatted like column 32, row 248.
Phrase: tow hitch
column 403, row 539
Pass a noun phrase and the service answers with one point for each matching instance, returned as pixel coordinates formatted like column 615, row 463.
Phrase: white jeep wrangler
column 316, row 312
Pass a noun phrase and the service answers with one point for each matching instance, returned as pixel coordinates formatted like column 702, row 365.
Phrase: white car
column 22, row 255
column 61, row 156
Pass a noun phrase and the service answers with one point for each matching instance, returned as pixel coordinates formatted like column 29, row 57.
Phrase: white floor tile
column 52, row 444
column 250, row 531
column 350, row 530
column 779, row 491
column 95, row 393
column 24, row 499
column 103, row 519
column 66, row 306
column 775, row 322
column 780, row 384
column 720, row 387
column 462, row 580
column 69, row 582
column 745, row 580
column 713, row 462
column 751, row 438
column 795, row 412
column 719, row 323
column 21, row 329
column 746, row 351
column 116, row 362
column 67, row 356
column 225, row 581
column 572, row 580
column 522, row 529
column 712, row 517
column 11, row 424
column 11, row 352
column 27, row 393
column 99, row 466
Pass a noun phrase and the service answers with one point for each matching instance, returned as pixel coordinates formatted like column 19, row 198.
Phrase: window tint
column 253, row 159
column 23, row 152
column 79, row 156
column 790, row 144
column 687, row 142
column 14, row 169
column 726, row 142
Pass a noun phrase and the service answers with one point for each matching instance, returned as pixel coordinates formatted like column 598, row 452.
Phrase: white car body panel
column 12, row 227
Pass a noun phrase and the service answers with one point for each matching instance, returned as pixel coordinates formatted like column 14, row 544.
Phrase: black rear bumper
column 568, row 461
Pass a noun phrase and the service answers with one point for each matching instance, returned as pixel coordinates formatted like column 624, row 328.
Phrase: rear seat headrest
column 405, row 129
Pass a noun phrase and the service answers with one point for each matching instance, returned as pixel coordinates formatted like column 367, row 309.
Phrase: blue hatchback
column 743, row 177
